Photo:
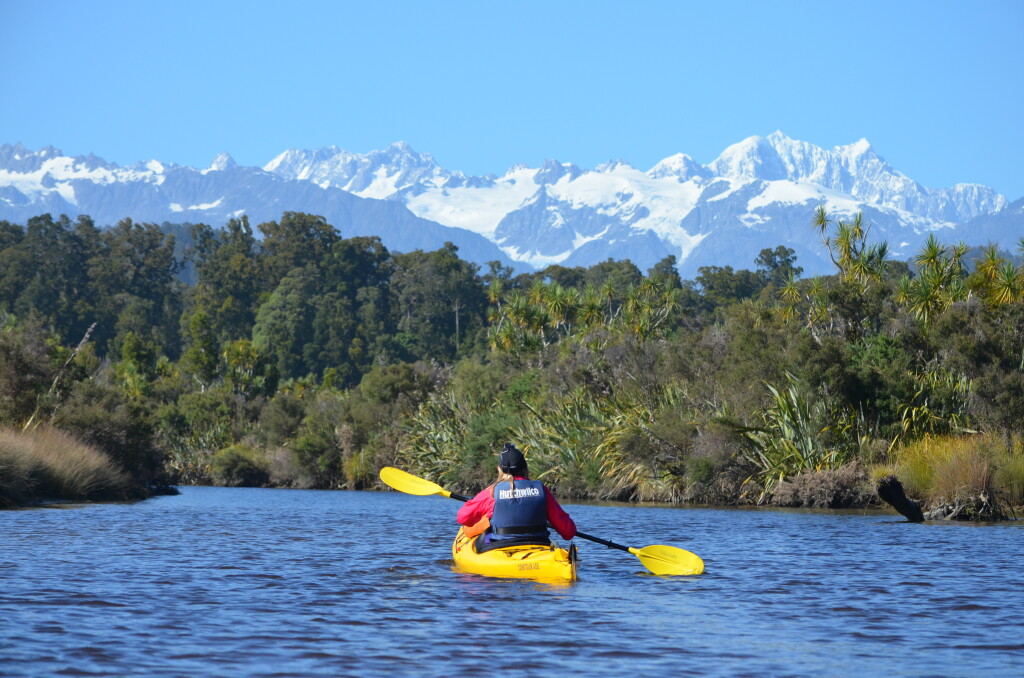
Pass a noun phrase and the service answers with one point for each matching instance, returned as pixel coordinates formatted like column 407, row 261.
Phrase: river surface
column 249, row 582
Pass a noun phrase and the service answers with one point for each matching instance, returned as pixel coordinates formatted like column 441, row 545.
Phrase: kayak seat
column 484, row 544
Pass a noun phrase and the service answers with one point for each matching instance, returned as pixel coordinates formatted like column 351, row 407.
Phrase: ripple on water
column 261, row 583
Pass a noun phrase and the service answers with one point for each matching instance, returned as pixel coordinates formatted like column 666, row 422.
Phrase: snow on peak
column 613, row 165
column 753, row 158
column 679, row 166
column 222, row 162
column 858, row 147
column 377, row 174
column 552, row 171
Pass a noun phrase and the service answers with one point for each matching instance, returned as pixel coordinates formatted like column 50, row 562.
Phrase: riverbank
column 945, row 478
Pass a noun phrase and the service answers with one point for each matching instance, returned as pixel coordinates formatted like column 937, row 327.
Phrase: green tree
column 26, row 368
column 133, row 278
column 351, row 323
column 230, row 278
column 438, row 302
column 297, row 241
column 200, row 358
column 45, row 272
column 777, row 266
column 721, row 285
column 665, row 271
column 284, row 324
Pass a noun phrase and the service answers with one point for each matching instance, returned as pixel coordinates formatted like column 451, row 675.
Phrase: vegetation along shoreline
column 144, row 356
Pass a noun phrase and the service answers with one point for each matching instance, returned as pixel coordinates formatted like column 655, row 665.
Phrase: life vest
column 520, row 515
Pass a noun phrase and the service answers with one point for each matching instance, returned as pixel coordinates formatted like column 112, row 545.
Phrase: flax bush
column 799, row 434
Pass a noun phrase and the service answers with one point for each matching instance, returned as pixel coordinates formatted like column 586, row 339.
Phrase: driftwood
column 978, row 508
column 891, row 491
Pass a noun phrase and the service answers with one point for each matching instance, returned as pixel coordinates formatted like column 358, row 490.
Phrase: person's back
column 515, row 509
column 520, row 512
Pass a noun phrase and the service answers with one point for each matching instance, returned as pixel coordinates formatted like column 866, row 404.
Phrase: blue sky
column 935, row 86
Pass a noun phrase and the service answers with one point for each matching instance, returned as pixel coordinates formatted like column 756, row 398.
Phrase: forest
column 143, row 356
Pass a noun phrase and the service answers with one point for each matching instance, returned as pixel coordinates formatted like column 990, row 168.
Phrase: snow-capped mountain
column 760, row 192
column 47, row 181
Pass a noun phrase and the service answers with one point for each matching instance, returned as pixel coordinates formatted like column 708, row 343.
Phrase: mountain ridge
column 760, row 192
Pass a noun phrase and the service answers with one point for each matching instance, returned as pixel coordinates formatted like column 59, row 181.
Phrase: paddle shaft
column 609, row 544
column 581, row 535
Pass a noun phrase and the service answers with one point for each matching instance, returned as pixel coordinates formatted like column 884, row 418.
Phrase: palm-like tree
column 848, row 248
column 538, row 291
column 939, row 283
column 932, row 255
column 608, row 292
column 561, row 304
column 1007, row 285
column 988, row 266
column 591, row 312
column 495, row 291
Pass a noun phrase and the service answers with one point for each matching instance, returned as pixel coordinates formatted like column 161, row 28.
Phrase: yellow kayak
column 543, row 563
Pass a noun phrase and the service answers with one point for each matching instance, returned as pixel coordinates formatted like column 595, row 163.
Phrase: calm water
column 239, row 582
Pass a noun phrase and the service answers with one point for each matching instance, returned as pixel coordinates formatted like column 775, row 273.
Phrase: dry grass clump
column 50, row 464
column 1009, row 477
column 939, row 469
column 964, row 477
column 845, row 487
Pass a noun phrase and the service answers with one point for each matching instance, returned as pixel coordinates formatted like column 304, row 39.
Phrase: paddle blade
column 410, row 484
column 668, row 560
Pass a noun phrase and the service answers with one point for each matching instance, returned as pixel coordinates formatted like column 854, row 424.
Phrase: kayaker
column 517, row 510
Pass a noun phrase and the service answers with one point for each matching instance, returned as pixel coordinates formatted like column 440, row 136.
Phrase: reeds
column 46, row 463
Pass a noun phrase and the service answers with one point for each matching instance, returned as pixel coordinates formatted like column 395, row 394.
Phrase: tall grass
column 1009, row 475
column 943, row 469
column 962, row 471
column 49, row 464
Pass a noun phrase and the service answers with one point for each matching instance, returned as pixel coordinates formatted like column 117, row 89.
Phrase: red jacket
column 483, row 505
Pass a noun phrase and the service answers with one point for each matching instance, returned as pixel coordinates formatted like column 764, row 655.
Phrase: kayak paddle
column 406, row 482
column 659, row 559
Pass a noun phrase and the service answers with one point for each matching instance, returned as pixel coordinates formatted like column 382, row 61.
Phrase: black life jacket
column 520, row 515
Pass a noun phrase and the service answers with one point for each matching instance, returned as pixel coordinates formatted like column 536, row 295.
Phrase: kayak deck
column 543, row 563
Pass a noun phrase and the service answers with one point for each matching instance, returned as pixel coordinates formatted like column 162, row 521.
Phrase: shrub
column 286, row 470
column 103, row 416
column 359, row 469
column 792, row 439
column 716, row 468
column 26, row 369
column 281, row 418
column 240, row 466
